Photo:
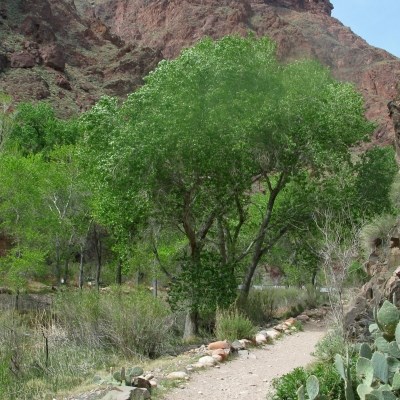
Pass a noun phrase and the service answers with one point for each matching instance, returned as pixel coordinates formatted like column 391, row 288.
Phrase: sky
column 376, row 21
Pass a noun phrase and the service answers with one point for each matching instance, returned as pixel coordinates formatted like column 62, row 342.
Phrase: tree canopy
column 187, row 148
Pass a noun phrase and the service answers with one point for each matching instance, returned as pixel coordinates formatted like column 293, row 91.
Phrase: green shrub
column 331, row 344
column 286, row 386
column 330, row 382
column 312, row 296
column 263, row 305
column 260, row 306
column 380, row 227
column 231, row 325
column 134, row 323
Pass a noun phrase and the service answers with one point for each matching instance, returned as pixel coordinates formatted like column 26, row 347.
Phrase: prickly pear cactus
column 311, row 389
column 378, row 369
column 387, row 319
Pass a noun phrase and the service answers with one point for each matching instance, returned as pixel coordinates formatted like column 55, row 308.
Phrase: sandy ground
column 250, row 377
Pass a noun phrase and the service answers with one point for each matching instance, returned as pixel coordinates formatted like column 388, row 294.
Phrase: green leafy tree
column 36, row 128
column 305, row 136
column 187, row 148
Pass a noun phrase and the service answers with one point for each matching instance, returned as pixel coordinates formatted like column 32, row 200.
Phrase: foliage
column 184, row 150
column 232, row 325
column 287, row 385
column 379, row 228
column 260, row 306
column 134, row 323
column 24, row 370
column 375, row 173
column 36, row 129
column 330, row 384
column 331, row 344
column 44, row 208
column 215, row 285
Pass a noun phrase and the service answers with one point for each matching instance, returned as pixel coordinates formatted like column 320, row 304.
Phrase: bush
column 331, row 344
column 25, row 371
column 231, row 325
column 380, row 228
column 263, row 305
column 331, row 385
column 286, row 386
column 131, row 324
column 260, row 306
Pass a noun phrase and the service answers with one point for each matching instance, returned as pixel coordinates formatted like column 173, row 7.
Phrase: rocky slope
column 72, row 51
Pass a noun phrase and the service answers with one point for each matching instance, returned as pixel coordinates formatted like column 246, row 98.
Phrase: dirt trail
column 250, row 377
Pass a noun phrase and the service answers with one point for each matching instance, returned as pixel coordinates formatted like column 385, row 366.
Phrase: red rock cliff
column 90, row 47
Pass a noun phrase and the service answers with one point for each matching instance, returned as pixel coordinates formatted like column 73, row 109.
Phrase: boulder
column 197, row 366
column 290, row 322
column 246, row 342
column 217, row 358
column 207, row 361
column 272, row 333
column 63, row 82
column 303, row 318
column 261, row 338
column 281, row 327
column 178, row 375
column 53, row 56
column 127, row 393
column 141, row 382
column 37, row 29
column 219, row 345
column 139, row 394
column 238, row 345
column 220, row 354
column 22, row 59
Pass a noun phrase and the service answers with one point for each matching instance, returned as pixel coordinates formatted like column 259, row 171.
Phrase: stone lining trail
column 249, row 377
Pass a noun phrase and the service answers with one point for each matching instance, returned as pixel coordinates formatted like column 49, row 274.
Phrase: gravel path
column 250, row 377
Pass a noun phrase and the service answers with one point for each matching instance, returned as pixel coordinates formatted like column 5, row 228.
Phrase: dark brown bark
column 259, row 243
column 81, row 269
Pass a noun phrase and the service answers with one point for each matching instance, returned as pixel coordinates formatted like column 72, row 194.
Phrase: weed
column 232, row 325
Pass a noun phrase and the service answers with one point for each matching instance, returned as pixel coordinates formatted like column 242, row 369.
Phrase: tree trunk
column 251, row 269
column 155, row 287
column 191, row 325
column 58, row 264
column 118, row 276
column 66, row 271
column 99, row 259
column 259, row 247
